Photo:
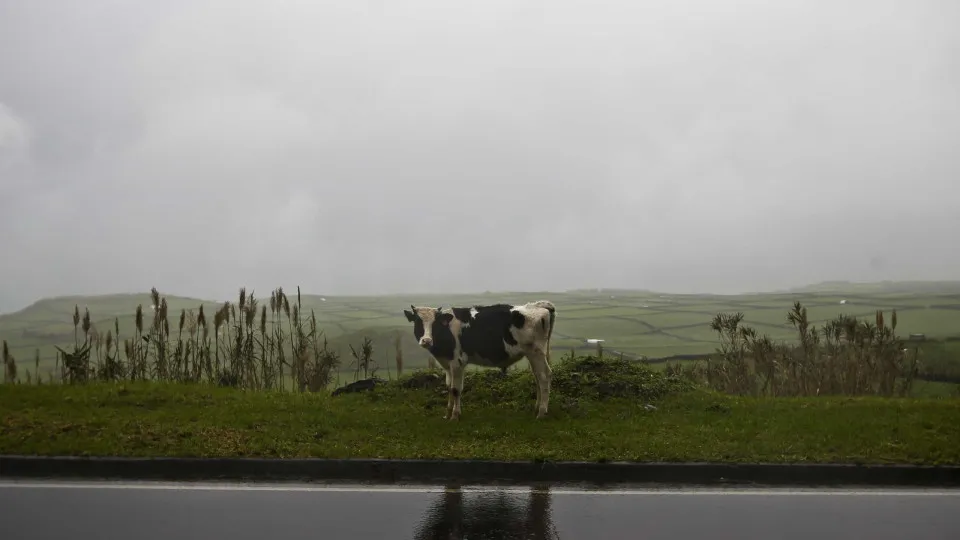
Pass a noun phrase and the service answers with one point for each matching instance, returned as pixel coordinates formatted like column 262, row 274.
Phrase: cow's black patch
column 489, row 329
column 518, row 319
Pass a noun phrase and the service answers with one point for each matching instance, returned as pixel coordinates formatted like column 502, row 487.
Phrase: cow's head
column 426, row 321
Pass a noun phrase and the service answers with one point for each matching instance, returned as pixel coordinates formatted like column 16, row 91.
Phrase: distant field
column 636, row 323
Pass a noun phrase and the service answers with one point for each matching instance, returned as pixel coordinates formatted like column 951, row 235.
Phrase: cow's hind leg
column 542, row 373
column 536, row 378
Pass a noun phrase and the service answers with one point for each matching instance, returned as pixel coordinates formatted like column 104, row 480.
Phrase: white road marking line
column 484, row 489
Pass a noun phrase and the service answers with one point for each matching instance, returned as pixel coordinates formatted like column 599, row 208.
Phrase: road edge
column 388, row 471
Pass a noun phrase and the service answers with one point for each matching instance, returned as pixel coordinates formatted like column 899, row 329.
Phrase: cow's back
column 499, row 334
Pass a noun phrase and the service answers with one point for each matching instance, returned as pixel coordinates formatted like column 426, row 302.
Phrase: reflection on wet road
column 257, row 511
column 489, row 514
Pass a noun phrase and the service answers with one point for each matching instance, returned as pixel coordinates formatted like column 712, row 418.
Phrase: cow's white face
column 423, row 319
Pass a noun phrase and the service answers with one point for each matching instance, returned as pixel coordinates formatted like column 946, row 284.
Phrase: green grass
column 145, row 419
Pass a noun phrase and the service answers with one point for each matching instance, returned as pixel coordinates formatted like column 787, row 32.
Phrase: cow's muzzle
column 426, row 342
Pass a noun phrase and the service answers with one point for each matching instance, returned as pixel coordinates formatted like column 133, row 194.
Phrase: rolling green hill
column 636, row 323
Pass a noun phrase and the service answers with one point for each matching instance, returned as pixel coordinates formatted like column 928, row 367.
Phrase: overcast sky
column 428, row 145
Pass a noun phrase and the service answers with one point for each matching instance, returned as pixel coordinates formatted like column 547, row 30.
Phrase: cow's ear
column 445, row 318
column 463, row 314
column 409, row 315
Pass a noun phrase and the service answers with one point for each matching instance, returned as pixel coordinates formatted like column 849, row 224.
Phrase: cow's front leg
column 457, row 369
column 450, row 400
column 449, row 412
column 446, row 366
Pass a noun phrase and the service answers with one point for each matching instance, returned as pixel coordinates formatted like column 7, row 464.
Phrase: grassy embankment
column 166, row 419
column 836, row 394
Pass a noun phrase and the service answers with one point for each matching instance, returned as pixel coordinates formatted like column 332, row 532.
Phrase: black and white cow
column 496, row 335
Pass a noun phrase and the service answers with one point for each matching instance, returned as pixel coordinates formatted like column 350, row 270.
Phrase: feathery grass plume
column 296, row 367
column 11, row 370
column 285, row 305
column 205, row 357
column 159, row 331
column 76, row 324
column 138, row 318
column 229, row 376
column 178, row 361
column 36, row 364
column 128, row 351
column 276, row 307
column 157, row 323
column 218, row 317
column 96, row 341
column 243, row 297
column 225, row 313
column 191, row 349
column 266, row 370
column 86, row 322
column 202, row 346
column 798, row 318
column 163, row 309
column 250, row 314
column 139, row 358
column 9, row 365
column 191, row 323
column 249, row 359
column 116, row 355
column 399, row 354
column 235, row 368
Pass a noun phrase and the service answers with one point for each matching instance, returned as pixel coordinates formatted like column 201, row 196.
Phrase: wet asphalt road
column 148, row 511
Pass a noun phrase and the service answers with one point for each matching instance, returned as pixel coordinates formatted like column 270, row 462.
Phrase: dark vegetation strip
column 471, row 471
